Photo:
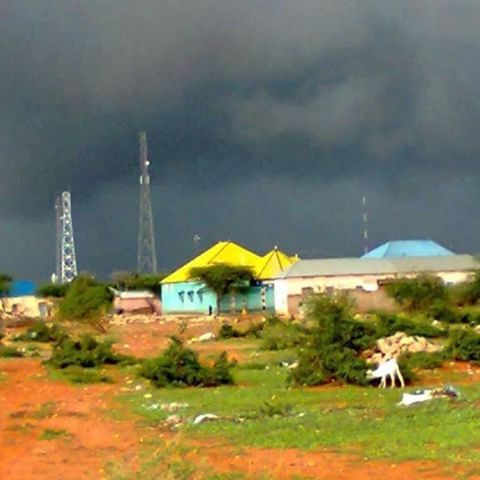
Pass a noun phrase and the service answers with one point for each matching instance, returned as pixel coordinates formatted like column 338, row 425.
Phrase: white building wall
column 286, row 287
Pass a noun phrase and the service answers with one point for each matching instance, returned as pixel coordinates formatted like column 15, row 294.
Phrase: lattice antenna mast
column 147, row 256
column 66, row 269
column 58, row 239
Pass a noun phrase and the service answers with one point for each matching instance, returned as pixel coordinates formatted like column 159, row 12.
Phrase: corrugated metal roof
column 378, row 266
column 408, row 248
column 222, row 252
column 273, row 263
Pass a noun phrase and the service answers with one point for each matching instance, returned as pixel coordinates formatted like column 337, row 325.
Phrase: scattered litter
column 138, row 387
column 147, row 395
column 153, row 406
column 173, row 406
column 206, row 417
column 425, row 395
column 206, row 337
column 173, row 421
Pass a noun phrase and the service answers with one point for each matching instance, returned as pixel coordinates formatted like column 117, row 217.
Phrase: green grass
column 52, row 434
column 79, row 376
column 351, row 419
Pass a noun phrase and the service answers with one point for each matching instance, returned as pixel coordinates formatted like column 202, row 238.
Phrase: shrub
column 85, row 300
column 53, row 290
column 227, row 331
column 9, row 352
column 422, row 360
column 464, row 345
column 469, row 292
column 439, row 310
column 389, row 324
column 332, row 344
column 86, row 352
column 417, row 293
column 43, row 332
column 179, row 366
column 281, row 336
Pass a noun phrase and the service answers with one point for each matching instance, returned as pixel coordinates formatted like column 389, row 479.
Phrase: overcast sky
column 267, row 122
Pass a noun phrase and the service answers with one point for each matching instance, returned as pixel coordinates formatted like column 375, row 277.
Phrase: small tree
column 223, row 279
column 417, row 293
column 86, row 300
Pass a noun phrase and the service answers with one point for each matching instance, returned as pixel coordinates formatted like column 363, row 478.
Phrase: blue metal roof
column 22, row 288
column 408, row 248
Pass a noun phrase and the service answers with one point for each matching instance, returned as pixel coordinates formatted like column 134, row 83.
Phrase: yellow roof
column 221, row 252
column 273, row 263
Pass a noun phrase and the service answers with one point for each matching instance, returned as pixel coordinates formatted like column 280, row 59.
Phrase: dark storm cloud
column 234, row 96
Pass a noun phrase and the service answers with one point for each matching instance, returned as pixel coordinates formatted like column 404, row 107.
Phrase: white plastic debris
column 206, row 417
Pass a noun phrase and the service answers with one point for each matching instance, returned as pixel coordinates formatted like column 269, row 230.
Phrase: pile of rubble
column 397, row 344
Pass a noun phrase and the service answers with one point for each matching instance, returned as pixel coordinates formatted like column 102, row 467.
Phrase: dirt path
column 51, row 430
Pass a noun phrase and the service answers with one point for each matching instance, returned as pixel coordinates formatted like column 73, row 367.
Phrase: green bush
column 422, row 360
column 389, row 324
column 227, row 331
column 53, row 290
column 417, row 293
column 85, row 300
column 464, row 345
column 86, row 352
column 440, row 310
column 179, row 366
column 281, row 336
column 332, row 344
column 9, row 352
column 43, row 332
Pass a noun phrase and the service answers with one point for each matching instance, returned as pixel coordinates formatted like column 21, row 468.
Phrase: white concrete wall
column 293, row 286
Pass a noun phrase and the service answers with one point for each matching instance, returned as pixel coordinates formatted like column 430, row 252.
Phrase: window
column 181, row 295
column 190, row 296
column 200, row 296
column 307, row 291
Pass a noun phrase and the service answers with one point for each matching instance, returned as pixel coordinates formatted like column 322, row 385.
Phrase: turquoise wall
column 192, row 297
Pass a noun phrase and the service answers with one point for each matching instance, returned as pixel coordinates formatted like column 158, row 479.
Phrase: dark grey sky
column 267, row 122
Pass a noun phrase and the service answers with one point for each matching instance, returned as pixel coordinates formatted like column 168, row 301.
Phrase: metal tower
column 66, row 268
column 147, row 257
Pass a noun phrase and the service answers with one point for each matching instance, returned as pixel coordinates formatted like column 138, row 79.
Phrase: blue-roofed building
column 22, row 288
column 408, row 248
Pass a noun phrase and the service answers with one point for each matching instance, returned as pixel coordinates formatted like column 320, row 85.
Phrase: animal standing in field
column 386, row 369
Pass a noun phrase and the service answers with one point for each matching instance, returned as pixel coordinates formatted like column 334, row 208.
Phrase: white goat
column 389, row 368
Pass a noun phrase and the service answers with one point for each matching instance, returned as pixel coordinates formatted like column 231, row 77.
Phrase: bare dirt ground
column 52, row 430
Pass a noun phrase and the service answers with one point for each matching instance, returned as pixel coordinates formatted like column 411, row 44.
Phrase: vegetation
column 388, row 324
column 5, row 285
column 53, row 290
column 417, row 293
column 223, row 279
column 422, row 360
column 464, row 344
column 86, row 300
column 43, row 332
column 332, row 344
column 278, row 335
column 136, row 281
column 86, row 352
column 179, row 366
column 9, row 352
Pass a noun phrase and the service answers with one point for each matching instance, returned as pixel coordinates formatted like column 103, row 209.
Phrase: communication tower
column 147, row 256
column 66, row 262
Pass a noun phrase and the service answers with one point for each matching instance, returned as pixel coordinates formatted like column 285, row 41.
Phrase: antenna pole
column 146, row 253
column 365, row 224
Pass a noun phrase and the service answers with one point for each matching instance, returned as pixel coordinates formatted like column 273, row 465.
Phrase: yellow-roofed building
column 182, row 294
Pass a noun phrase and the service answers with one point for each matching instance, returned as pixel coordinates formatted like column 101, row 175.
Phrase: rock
column 173, row 421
